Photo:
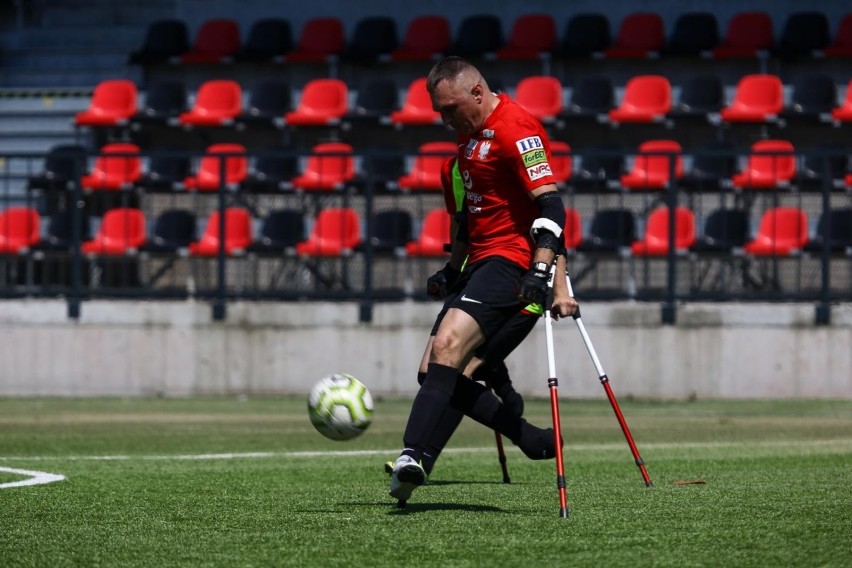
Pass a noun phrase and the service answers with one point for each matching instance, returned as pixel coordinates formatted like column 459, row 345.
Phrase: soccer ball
column 340, row 406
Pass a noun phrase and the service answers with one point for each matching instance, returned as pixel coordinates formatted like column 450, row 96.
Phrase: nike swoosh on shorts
column 464, row 298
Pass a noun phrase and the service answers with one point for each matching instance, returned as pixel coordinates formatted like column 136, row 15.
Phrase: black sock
column 429, row 405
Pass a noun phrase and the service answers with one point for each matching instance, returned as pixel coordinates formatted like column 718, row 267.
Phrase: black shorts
column 487, row 290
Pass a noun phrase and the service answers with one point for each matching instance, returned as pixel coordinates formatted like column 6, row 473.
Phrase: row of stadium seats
column 332, row 167
column 339, row 231
column 532, row 36
column 757, row 98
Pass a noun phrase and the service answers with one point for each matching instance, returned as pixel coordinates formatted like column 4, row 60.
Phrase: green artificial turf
column 248, row 482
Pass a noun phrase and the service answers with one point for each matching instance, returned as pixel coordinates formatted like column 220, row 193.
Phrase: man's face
column 458, row 103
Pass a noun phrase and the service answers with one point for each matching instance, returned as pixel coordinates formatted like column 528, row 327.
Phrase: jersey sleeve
column 528, row 149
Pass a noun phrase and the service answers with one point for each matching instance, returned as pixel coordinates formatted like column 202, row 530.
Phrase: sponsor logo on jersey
column 483, row 149
column 526, row 144
column 534, row 157
column 539, row 171
column 468, row 183
column 471, row 145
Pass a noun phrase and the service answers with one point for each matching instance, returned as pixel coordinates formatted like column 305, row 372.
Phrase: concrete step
column 59, row 78
column 69, row 59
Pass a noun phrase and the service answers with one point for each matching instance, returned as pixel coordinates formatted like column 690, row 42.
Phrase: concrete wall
column 175, row 349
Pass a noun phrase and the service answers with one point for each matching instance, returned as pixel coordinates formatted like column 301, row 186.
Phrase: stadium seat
column 824, row 165
column 652, row 167
column 749, row 34
column 600, row 167
column 208, row 176
column 573, row 229
column 771, row 164
column 166, row 171
column 118, row 166
column 164, row 102
column 281, row 231
column 695, row 34
column 782, row 231
column 586, row 35
column 19, row 229
column 725, row 230
column 237, row 233
column 701, row 96
column 59, row 234
column 375, row 101
column 425, row 173
column 417, row 107
column 541, row 96
column 841, row 46
column 113, row 104
column 390, row 231
column 478, row 35
column 63, row 164
column 805, row 34
column 834, row 230
column 591, row 97
column 122, row 231
column 268, row 40
column 713, row 166
column 532, row 36
column 814, row 97
column 329, row 168
column 561, row 163
column 268, row 102
column 843, row 113
column 336, row 232
column 758, row 98
column 217, row 103
column 373, row 40
column 173, row 231
column 647, row 98
column 434, row 234
column 656, row 240
column 165, row 41
column 611, row 231
column 271, row 172
column 217, row 41
column 323, row 102
column 426, row 38
column 640, row 35
column 321, row 39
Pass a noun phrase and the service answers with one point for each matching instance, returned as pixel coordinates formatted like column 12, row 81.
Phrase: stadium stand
column 208, row 176
column 657, row 242
column 19, row 229
column 218, row 102
column 329, row 168
column 640, row 35
column 280, row 232
column 323, row 102
column 268, row 40
column 336, row 231
column 433, row 236
column 782, row 231
column 113, row 104
column 237, row 234
column 217, row 41
column 426, row 38
column 121, row 232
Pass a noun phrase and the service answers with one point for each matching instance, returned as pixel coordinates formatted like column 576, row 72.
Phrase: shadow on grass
column 423, row 507
column 442, row 482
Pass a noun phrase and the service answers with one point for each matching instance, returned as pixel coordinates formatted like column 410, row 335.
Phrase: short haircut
column 448, row 69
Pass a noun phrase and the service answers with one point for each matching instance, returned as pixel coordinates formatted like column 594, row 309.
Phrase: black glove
column 438, row 285
column 532, row 288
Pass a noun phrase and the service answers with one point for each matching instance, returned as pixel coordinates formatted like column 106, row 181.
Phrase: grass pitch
column 248, row 482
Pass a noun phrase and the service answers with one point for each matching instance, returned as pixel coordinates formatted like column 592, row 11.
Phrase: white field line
column 804, row 444
column 35, row 477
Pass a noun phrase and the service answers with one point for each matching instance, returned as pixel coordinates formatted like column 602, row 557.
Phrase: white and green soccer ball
column 340, row 406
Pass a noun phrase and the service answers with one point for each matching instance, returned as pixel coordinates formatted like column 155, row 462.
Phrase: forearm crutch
column 553, row 384
column 605, row 382
column 501, row 453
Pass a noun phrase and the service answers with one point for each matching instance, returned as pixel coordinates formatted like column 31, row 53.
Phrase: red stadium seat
column 19, row 229
column 323, row 102
column 217, row 41
column 425, row 174
column 113, row 103
column 112, row 172
column 843, row 113
column 842, row 44
column 417, row 107
column 647, row 98
column 749, row 34
column 321, row 39
column 237, row 233
column 656, row 240
column 208, row 177
column 336, row 232
column 122, row 231
column 426, row 38
column 782, row 231
column 434, row 234
column 217, row 103
column 771, row 164
column 651, row 168
column 573, row 229
column 562, row 161
column 329, row 168
column 758, row 98
column 541, row 96
column 533, row 36
column 641, row 34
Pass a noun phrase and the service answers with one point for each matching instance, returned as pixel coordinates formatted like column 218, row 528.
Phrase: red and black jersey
column 500, row 165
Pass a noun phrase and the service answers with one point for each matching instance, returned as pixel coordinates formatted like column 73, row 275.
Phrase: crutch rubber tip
column 507, row 480
column 563, row 513
column 401, row 504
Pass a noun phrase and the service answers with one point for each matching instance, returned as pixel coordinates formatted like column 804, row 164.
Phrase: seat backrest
column 270, row 99
column 774, row 158
column 715, row 161
column 540, row 95
column 337, row 228
column 814, row 92
column 283, row 228
column 237, row 228
column 339, row 166
column 326, row 97
column 573, row 229
column 168, row 167
column 751, row 30
column 602, row 162
column 19, row 228
column 218, row 37
column 641, row 30
column 728, row 227
column 785, row 227
column 376, row 97
column 267, row 38
column 592, row 94
column 166, row 38
column 760, row 92
column 417, row 101
column 165, row 99
column 391, row 229
column 373, row 36
column 652, row 161
column 804, row 32
column 122, row 227
column 174, row 228
column 322, row 35
column 219, row 97
column 657, row 227
column 535, row 32
column 427, row 34
column 836, row 227
column 115, row 97
column 236, row 167
column 477, row 35
column 562, row 162
column 586, row 34
column 60, row 228
column 64, row 162
column 693, row 33
column 843, row 37
column 647, row 93
column 616, row 226
column 703, row 92
column 434, row 233
column 126, row 167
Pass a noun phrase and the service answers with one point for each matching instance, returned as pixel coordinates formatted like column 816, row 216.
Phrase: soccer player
column 510, row 236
